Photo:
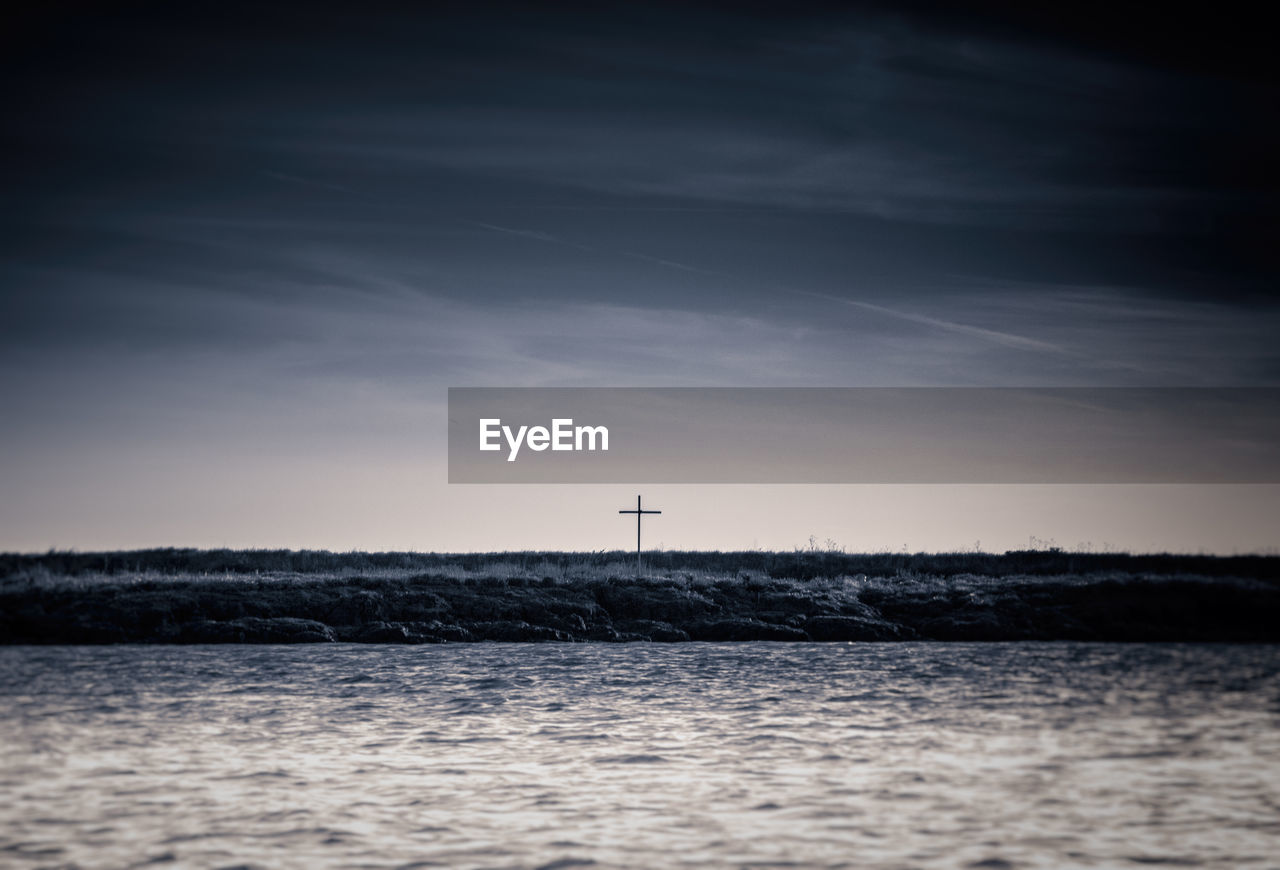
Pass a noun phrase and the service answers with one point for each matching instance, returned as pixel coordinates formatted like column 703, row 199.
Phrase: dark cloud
column 231, row 219
column 1095, row 148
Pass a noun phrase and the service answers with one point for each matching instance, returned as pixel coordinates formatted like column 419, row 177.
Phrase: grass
column 186, row 596
column 576, row 566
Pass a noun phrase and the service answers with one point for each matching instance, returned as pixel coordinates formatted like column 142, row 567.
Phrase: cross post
column 639, row 512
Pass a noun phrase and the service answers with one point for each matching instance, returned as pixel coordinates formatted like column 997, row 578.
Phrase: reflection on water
column 869, row 755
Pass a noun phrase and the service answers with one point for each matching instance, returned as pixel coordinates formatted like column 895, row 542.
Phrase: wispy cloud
column 557, row 240
column 995, row 336
column 527, row 234
column 880, row 120
column 672, row 264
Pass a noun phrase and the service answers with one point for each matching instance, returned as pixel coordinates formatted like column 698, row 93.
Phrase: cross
column 639, row 512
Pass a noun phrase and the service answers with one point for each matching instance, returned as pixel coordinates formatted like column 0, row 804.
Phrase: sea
column 901, row 755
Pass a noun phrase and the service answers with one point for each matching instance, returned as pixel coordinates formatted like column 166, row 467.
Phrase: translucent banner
column 864, row 435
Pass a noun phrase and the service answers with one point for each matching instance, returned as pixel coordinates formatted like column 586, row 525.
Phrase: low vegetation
column 210, row 596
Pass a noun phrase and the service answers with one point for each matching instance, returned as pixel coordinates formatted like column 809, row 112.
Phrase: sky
column 246, row 250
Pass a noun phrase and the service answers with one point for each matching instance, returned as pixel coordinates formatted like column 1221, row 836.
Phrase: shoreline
column 404, row 606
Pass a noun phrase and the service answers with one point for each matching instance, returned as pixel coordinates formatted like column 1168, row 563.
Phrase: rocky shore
column 299, row 608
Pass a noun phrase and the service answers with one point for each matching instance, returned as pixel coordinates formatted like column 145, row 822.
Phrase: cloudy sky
column 246, row 250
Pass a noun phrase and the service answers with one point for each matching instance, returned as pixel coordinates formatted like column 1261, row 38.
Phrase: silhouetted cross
column 639, row 512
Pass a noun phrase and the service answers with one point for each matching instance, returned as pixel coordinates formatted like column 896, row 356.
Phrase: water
column 869, row 755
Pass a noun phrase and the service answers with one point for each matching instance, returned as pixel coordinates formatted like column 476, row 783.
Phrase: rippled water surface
column 495, row 755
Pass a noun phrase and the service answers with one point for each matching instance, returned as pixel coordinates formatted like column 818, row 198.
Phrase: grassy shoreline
column 280, row 596
column 798, row 564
